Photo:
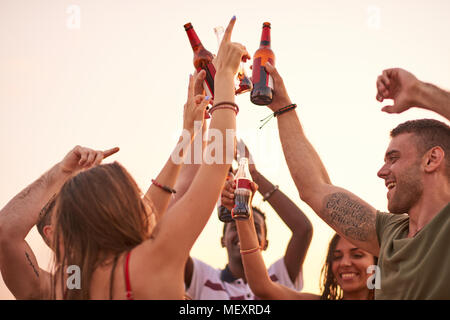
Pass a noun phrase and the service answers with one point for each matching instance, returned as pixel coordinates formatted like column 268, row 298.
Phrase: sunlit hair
column 329, row 286
column 429, row 133
column 98, row 214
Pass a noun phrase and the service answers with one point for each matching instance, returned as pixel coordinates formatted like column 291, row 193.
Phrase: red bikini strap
column 127, row 277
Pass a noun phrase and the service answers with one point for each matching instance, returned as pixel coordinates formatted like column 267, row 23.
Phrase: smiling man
column 412, row 240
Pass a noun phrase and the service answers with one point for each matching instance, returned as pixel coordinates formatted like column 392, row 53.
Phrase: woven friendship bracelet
column 284, row 109
column 225, row 105
column 278, row 113
column 165, row 188
column 248, row 251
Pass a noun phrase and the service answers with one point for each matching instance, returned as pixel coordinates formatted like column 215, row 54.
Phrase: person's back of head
column 98, row 214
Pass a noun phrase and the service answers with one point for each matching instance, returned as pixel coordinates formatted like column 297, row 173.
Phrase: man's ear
column 222, row 242
column 48, row 232
column 433, row 159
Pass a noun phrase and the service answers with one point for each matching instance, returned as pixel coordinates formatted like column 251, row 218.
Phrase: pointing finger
column 229, row 30
column 109, row 152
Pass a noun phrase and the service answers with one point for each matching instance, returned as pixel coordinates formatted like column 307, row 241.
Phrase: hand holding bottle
column 280, row 96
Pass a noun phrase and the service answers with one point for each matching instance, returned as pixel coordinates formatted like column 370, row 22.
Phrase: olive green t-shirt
column 418, row 267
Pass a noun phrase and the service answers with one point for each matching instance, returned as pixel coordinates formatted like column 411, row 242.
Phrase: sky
column 103, row 73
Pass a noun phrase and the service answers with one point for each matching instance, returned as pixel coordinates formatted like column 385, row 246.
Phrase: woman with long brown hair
column 102, row 223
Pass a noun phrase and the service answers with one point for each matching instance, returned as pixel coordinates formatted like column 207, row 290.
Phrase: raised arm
column 407, row 92
column 346, row 213
column 188, row 216
column 290, row 213
column 255, row 269
column 193, row 123
column 18, row 264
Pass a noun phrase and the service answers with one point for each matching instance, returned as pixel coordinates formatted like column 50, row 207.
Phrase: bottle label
column 269, row 82
column 208, row 84
column 243, row 183
column 256, row 74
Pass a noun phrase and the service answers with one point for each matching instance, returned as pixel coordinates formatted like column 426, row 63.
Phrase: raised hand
column 280, row 96
column 399, row 85
column 81, row 158
column 230, row 53
column 195, row 106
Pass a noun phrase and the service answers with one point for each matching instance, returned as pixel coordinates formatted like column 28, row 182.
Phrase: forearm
column 23, row 211
column 254, row 266
column 190, row 167
column 287, row 210
column 433, row 98
column 158, row 197
column 305, row 165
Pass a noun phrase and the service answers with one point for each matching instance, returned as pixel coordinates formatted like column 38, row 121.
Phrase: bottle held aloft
column 243, row 191
column 244, row 83
column 223, row 212
column 202, row 61
column 262, row 91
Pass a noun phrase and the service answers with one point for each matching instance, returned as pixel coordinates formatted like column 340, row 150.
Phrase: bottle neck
column 193, row 38
column 265, row 38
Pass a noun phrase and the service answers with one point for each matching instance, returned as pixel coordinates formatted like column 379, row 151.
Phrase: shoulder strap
column 111, row 280
column 127, row 277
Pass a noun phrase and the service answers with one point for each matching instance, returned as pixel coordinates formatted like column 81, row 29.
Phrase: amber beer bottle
column 202, row 59
column 262, row 82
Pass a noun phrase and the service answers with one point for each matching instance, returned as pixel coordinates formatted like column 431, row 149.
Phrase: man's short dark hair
column 429, row 133
column 255, row 209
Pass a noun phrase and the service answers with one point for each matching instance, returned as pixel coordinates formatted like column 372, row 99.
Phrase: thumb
column 389, row 109
column 272, row 70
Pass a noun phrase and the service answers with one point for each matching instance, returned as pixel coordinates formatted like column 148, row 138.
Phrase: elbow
column 262, row 289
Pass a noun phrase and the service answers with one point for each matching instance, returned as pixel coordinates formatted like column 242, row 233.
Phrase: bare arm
column 347, row 214
column 18, row 264
column 188, row 216
column 296, row 221
column 193, row 124
column 255, row 269
column 407, row 91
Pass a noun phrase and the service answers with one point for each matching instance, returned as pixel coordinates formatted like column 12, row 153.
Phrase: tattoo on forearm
column 349, row 216
column 32, row 265
column 48, row 206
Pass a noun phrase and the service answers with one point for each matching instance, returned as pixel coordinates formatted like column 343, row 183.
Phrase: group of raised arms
column 130, row 245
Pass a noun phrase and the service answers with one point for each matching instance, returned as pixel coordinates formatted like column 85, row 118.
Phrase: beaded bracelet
column 225, row 105
column 248, row 251
column 165, row 188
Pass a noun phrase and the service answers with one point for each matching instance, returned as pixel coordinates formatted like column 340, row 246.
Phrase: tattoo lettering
column 47, row 207
column 32, row 265
column 348, row 215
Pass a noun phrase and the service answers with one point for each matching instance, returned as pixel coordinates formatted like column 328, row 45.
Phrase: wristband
column 248, row 251
column 267, row 195
column 165, row 188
